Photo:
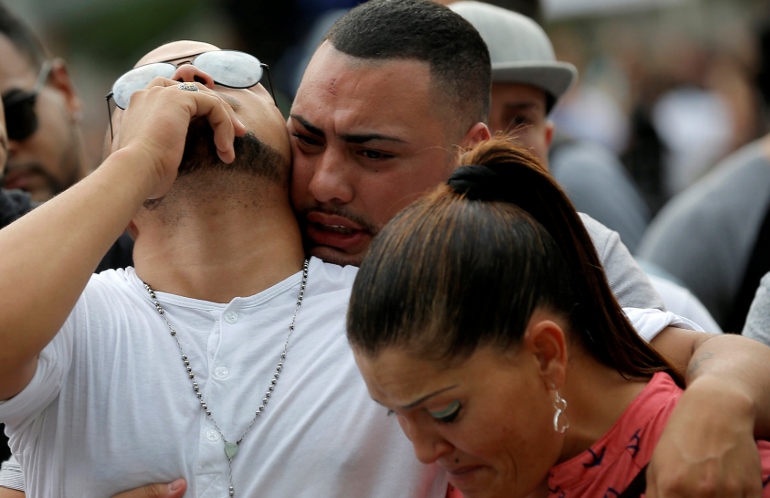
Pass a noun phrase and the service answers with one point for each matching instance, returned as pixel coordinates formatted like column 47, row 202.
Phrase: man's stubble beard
column 203, row 174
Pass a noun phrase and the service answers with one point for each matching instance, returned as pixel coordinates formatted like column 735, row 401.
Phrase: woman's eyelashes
column 445, row 416
column 448, row 414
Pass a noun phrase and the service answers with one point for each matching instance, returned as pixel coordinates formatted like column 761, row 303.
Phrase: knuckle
column 707, row 487
column 153, row 491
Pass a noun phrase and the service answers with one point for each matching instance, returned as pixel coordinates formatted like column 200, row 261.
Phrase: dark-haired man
column 13, row 204
column 375, row 124
column 42, row 111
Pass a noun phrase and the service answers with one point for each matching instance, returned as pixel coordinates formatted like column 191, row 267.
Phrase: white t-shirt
column 649, row 323
column 111, row 406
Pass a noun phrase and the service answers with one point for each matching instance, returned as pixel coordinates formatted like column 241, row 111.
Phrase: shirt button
column 212, row 435
column 231, row 317
column 221, row 372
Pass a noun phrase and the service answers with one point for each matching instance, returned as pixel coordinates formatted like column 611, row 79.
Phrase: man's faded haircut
column 426, row 31
column 22, row 37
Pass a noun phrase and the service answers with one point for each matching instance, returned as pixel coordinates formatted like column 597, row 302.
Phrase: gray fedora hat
column 519, row 48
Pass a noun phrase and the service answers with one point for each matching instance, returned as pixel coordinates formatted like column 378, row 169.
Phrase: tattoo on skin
column 695, row 364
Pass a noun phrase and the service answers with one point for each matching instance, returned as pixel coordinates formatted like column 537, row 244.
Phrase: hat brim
column 553, row 77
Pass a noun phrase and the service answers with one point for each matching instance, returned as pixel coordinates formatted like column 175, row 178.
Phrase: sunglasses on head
column 20, row 117
column 228, row 68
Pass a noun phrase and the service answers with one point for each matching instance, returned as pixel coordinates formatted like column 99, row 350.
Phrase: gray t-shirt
column 598, row 184
column 757, row 324
column 705, row 235
column 627, row 280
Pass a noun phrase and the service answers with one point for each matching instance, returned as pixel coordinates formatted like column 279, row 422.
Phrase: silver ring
column 190, row 87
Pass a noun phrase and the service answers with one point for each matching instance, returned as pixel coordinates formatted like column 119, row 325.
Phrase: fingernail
column 176, row 485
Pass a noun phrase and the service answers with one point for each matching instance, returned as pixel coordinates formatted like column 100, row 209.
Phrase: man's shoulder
column 110, row 285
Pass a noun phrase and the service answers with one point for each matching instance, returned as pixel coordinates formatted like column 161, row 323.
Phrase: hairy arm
column 49, row 255
column 708, row 447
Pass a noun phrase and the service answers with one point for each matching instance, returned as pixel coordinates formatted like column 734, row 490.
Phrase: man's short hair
column 426, row 31
column 22, row 37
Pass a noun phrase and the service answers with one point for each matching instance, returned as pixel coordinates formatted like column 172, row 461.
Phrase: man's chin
column 336, row 256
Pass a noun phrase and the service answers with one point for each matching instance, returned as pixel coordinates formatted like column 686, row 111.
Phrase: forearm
column 49, row 255
column 737, row 370
column 708, row 447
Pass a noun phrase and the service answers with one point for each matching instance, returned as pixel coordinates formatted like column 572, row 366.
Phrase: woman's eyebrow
column 426, row 397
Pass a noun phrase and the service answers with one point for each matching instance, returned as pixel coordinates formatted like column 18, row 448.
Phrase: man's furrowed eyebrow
column 356, row 138
column 368, row 137
column 309, row 127
column 426, row 397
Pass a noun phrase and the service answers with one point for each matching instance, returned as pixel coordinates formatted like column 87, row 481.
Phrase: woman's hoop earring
column 560, row 421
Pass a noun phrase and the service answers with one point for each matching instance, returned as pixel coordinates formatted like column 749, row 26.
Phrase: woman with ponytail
column 482, row 319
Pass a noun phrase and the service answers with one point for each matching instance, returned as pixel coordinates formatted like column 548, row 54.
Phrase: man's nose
column 189, row 74
column 332, row 180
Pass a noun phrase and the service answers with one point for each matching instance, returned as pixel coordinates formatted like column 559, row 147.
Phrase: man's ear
column 60, row 79
column 476, row 134
column 549, row 127
column 546, row 340
column 132, row 230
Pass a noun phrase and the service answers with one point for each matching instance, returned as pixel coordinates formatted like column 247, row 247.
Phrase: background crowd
column 672, row 86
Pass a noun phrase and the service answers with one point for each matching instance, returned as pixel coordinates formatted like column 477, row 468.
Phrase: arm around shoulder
column 708, row 447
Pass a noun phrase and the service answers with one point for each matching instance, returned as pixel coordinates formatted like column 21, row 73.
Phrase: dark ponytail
column 467, row 266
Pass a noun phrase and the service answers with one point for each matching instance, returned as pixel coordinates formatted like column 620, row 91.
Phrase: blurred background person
column 714, row 236
column 13, row 203
column 710, row 235
column 43, row 110
column 527, row 84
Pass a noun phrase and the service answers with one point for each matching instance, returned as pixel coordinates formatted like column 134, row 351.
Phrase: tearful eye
column 375, row 154
column 306, row 140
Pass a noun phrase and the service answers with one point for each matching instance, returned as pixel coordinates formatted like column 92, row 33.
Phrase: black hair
column 22, row 37
column 426, row 31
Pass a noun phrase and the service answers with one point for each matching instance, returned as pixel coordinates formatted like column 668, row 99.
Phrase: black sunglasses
column 228, row 68
column 20, row 117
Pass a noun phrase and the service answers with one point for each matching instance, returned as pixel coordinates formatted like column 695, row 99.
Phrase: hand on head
column 156, row 125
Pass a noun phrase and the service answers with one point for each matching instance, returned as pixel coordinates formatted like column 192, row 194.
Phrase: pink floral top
column 609, row 466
